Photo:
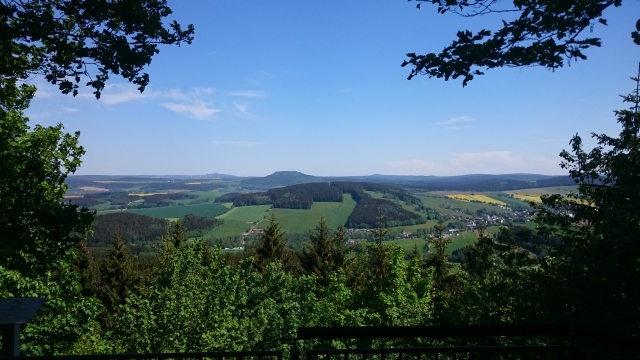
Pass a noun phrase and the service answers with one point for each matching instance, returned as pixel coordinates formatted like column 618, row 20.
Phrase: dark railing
column 461, row 342
column 421, row 343
column 218, row 355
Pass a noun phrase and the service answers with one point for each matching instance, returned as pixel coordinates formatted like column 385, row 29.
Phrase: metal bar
column 397, row 332
column 10, row 340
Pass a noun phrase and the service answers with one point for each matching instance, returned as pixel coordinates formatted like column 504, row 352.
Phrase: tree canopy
column 68, row 40
column 544, row 33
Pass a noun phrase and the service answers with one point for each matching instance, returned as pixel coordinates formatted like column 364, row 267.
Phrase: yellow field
column 149, row 194
column 193, row 183
column 527, row 197
column 476, row 197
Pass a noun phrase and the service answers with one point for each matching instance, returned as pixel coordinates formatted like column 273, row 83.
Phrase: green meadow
column 252, row 213
column 301, row 220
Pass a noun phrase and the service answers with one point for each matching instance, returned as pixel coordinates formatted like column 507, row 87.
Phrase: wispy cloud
column 461, row 163
column 456, row 120
column 235, row 143
column 71, row 109
column 242, row 108
column 114, row 94
column 195, row 103
column 247, row 93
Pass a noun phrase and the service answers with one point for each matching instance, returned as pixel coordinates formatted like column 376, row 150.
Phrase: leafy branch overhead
column 543, row 33
column 68, row 40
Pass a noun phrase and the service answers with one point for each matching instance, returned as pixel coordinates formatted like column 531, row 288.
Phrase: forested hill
column 280, row 178
column 291, row 197
column 365, row 213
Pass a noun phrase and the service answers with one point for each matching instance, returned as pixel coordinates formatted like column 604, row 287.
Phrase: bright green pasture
column 206, row 209
column 342, row 213
column 462, row 240
column 229, row 228
column 246, row 213
column 298, row 220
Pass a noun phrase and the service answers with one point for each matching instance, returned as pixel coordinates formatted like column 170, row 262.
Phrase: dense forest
column 133, row 228
column 368, row 211
column 290, row 197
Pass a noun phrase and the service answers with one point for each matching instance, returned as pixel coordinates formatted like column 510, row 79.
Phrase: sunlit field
column 476, row 197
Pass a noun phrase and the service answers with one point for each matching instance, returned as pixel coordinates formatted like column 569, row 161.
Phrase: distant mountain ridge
column 280, row 178
column 471, row 182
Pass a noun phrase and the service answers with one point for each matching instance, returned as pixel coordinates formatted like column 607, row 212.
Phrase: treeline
column 392, row 191
column 290, row 197
column 492, row 184
column 133, row 228
column 136, row 229
column 119, row 199
column 369, row 211
column 160, row 200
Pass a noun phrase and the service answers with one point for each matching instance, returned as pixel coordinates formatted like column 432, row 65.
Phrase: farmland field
column 435, row 201
column 209, row 210
column 476, row 197
column 462, row 240
column 294, row 220
column 229, row 228
column 246, row 213
column 527, row 197
column 341, row 214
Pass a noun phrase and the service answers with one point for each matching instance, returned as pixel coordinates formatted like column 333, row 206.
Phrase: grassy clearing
column 462, row 240
column 476, row 197
column 209, row 210
column 341, row 214
column 294, row 220
column 229, row 228
column 246, row 213
column 148, row 194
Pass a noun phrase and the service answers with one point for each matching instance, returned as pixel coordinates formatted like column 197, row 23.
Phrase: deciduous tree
column 545, row 33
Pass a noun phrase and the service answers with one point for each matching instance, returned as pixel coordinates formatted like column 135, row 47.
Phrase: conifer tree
column 271, row 246
column 118, row 279
column 324, row 253
column 87, row 267
column 438, row 259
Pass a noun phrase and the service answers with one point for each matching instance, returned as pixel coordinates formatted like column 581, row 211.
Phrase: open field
column 148, row 194
column 476, row 197
column 229, row 228
column 246, row 213
column 209, row 210
column 435, row 200
column 341, row 214
column 527, row 197
column 465, row 238
column 294, row 220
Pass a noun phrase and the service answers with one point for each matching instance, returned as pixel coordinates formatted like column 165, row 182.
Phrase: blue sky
column 317, row 87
